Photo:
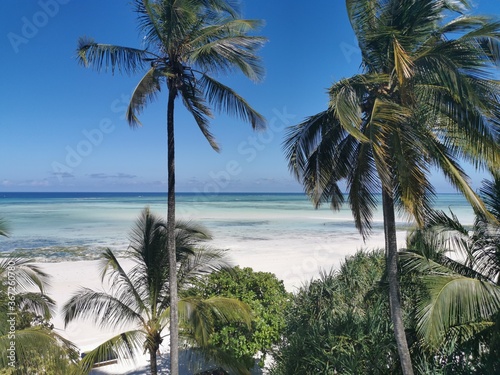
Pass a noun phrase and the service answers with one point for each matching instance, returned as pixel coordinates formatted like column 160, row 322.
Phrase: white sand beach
column 292, row 264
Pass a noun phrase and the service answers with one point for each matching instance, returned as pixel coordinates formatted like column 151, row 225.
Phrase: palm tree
column 29, row 312
column 425, row 100
column 460, row 299
column 142, row 296
column 186, row 43
column 460, row 268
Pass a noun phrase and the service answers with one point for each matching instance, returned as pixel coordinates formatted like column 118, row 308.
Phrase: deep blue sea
column 69, row 226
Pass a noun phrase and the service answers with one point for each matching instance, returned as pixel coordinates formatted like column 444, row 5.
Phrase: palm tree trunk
column 174, row 315
column 391, row 247
column 152, row 362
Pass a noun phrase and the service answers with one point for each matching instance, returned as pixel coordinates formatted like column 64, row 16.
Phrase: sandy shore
column 294, row 266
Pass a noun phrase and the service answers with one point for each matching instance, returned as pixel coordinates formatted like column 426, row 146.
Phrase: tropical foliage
column 27, row 340
column 459, row 267
column 3, row 228
column 339, row 324
column 268, row 300
column 186, row 44
column 426, row 99
column 141, row 297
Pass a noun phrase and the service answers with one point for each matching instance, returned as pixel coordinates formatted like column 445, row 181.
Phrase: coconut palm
column 461, row 300
column 141, row 296
column 460, row 268
column 187, row 42
column 425, row 100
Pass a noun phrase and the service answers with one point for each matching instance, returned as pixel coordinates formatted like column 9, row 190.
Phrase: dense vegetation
column 139, row 299
column 268, row 300
column 426, row 99
column 28, row 342
column 339, row 323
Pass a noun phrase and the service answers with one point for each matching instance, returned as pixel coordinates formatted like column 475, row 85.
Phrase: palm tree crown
column 187, row 43
column 426, row 99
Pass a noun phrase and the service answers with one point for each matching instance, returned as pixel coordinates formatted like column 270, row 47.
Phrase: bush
column 340, row 323
column 268, row 299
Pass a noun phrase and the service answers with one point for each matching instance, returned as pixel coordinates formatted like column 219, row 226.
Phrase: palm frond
column 413, row 191
column 4, row 228
column 199, row 316
column 104, row 309
column 37, row 303
column 458, row 6
column 125, row 346
column 194, row 101
column 302, row 140
column 202, row 261
column 486, row 249
column 346, row 104
column 385, row 120
column 36, row 340
column 125, row 287
column 26, row 274
column 453, row 301
column 146, row 91
column 490, row 194
column 227, row 53
column 436, row 263
column 226, row 27
column 363, row 184
column 463, row 24
column 458, row 178
column 148, row 19
column 403, row 64
column 106, row 56
column 229, row 7
column 224, row 99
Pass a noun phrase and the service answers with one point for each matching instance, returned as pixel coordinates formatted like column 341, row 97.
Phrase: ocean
column 50, row 227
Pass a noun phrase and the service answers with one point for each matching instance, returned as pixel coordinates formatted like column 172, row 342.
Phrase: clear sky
column 62, row 126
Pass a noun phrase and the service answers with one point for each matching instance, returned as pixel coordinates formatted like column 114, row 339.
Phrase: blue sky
column 62, row 126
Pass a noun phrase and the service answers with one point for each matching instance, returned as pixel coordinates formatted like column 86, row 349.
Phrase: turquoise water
column 67, row 226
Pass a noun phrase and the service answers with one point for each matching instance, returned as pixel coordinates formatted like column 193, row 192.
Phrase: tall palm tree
column 141, row 296
column 425, row 100
column 187, row 42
